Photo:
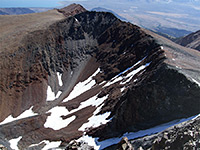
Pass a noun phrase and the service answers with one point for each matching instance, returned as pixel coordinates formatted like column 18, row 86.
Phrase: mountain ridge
column 15, row 11
column 191, row 40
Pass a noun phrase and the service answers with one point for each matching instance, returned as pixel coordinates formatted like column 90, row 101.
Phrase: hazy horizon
column 150, row 14
column 30, row 3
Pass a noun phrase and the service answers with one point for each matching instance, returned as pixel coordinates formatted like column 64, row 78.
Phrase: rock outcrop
column 124, row 144
column 70, row 73
column 73, row 145
column 72, row 9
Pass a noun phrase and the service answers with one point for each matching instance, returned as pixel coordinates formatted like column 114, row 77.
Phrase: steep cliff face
column 154, row 102
column 81, row 72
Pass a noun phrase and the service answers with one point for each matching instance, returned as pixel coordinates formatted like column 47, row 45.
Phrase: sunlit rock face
column 85, row 76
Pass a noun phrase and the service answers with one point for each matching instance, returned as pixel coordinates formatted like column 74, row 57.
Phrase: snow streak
column 82, row 87
column 25, row 114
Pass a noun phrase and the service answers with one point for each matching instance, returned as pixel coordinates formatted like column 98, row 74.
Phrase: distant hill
column 20, row 11
column 15, row 11
column 3, row 13
column 39, row 9
column 192, row 40
column 171, row 33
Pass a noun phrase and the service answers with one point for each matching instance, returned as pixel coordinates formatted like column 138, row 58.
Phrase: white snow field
column 55, row 121
column 14, row 142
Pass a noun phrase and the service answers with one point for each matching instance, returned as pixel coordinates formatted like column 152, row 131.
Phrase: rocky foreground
column 74, row 77
column 182, row 136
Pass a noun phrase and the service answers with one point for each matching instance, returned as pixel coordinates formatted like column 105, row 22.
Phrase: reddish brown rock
column 72, row 9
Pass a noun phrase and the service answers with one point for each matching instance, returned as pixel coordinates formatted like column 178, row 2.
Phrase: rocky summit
column 75, row 79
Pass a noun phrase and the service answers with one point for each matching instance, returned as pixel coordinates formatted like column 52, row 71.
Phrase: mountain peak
column 72, row 9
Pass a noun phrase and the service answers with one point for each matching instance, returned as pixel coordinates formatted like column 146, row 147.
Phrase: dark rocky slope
column 192, row 40
column 139, row 81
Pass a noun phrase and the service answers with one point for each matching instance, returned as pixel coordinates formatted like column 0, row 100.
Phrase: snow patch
column 76, row 20
column 82, row 87
column 93, row 101
column 196, row 117
column 51, row 95
column 102, row 82
column 58, row 94
column 55, row 121
column 195, row 81
column 32, row 145
column 113, row 81
column 60, row 79
column 89, row 140
column 95, row 121
column 132, row 73
column 51, row 145
column 14, row 142
column 122, row 89
column 25, row 114
column 178, row 67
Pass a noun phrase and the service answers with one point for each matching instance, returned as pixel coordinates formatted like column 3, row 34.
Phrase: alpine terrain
column 77, row 79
